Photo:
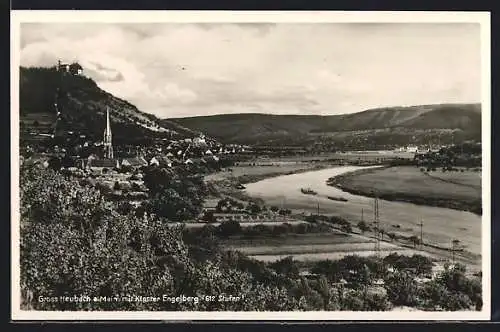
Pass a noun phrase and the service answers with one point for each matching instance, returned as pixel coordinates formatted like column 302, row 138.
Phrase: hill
column 382, row 126
column 82, row 107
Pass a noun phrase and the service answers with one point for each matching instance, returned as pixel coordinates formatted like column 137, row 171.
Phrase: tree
column 376, row 302
column 392, row 236
column 208, row 216
column 381, row 232
column 55, row 163
column 124, row 208
column 286, row 266
column 352, row 301
column 415, row 240
column 324, row 291
column 331, row 269
column 313, row 299
column 347, row 228
column 363, row 227
column 254, row 208
column 229, row 228
column 121, row 259
column 421, row 264
column 171, row 205
column 451, row 290
column 402, row 289
column 356, row 270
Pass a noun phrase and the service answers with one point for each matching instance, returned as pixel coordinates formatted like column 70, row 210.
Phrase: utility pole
column 56, row 107
column 283, row 207
column 318, row 208
column 453, row 252
column 421, row 234
column 376, row 221
column 454, row 243
column 362, row 217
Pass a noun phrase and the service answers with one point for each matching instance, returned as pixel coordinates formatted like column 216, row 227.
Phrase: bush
column 363, row 227
column 286, row 266
column 229, row 228
column 347, row 228
column 402, row 289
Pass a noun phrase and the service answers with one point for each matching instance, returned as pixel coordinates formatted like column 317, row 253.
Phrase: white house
column 134, row 162
column 411, row 149
column 154, row 161
column 160, row 161
column 199, row 140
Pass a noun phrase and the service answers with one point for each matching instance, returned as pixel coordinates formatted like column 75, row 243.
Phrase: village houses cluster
column 118, row 171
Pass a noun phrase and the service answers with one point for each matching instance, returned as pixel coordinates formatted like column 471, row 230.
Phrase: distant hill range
column 82, row 106
column 388, row 126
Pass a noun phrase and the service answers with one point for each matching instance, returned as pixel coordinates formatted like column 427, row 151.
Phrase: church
column 108, row 161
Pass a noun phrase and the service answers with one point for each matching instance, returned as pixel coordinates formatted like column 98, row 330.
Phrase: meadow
column 456, row 190
column 466, row 178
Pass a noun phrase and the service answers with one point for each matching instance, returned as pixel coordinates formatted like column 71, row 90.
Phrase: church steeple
column 108, row 146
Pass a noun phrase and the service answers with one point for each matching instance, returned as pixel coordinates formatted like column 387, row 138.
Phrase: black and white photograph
column 218, row 165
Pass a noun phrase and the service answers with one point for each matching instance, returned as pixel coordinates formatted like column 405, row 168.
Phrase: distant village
column 118, row 172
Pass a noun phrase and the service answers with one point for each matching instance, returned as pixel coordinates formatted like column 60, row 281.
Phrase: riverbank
column 442, row 225
column 410, row 185
column 248, row 178
column 224, row 184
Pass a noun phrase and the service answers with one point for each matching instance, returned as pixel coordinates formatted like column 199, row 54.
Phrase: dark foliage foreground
column 80, row 252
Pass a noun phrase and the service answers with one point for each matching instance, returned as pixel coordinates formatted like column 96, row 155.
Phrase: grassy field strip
column 311, row 248
column 295, row 240
column 245, row 224
column 332, row 255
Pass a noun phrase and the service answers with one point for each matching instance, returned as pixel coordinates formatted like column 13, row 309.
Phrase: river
column 441, row 225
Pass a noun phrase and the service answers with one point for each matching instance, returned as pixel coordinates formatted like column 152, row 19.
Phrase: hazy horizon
column 302, row 114
column 185, row 69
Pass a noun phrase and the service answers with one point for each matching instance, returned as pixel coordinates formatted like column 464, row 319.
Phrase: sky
column 185, row 69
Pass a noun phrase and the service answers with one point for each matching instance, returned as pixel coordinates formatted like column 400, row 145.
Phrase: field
column 456, row 190
column 441, row 224
column 269, row 169
column 311, row 257
column 466, row 179
column 261, row 168
column 243, row 224
column 313, row 247
column 346, row 156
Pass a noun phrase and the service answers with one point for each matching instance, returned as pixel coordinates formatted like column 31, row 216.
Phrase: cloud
column 195, row 69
